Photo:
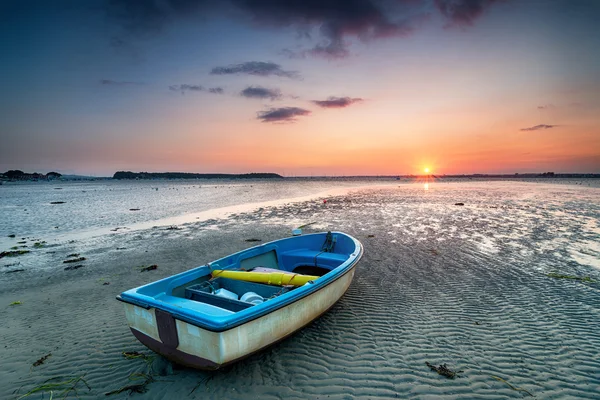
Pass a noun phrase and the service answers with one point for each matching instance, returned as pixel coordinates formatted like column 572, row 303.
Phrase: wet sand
column 465, row 286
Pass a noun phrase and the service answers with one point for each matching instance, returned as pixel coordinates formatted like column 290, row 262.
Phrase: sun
column 426, row 170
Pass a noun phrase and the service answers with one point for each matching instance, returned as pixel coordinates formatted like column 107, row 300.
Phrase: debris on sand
column 253, row 240
column 134, row 209
column 444, row 370
column 11, row 236
column 73, row 267
column 57, row 202
column 149, row 268
column 459, row 204
column 14, row 270
column 74, row 260
column 41, row 360
column 15, row 303
column 173, row 228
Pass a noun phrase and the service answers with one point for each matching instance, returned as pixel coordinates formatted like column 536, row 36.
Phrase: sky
column 300, row 87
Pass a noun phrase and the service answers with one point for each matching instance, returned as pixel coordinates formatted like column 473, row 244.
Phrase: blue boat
column 218, row 313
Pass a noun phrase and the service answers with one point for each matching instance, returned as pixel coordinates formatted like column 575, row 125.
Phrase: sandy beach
column 463, row 285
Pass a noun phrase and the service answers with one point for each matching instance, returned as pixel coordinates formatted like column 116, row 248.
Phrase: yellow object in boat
column 270, row 278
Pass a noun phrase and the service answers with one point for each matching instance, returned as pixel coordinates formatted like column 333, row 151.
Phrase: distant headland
column 190, row 175
column 18, row 175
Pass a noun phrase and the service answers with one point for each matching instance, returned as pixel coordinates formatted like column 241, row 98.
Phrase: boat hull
column 193, row 346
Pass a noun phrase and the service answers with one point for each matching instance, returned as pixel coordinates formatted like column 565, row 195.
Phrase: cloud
column 109, row 82
column 195, row 88
column 335, row 20
column 463, row 12
column 539, row 127
column 257, row 92
column 186, row 87
column 283, row 114
column 329, row 23
column 337, row 102
column 546, row 107
column 257, row 68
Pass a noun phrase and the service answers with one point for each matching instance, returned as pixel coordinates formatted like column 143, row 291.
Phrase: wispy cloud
column 539, row 127
column 283, row 114
column 337, row 102
column 195, row 88
column 257, row 92
column 109, row 82
column 256, row 68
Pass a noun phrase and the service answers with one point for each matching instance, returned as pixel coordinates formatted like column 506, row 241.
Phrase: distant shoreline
column 128, row 175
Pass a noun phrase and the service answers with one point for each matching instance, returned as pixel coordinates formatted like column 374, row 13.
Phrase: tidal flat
column 503, row 291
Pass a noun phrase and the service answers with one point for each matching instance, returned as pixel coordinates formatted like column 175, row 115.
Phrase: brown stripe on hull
column 174, row 355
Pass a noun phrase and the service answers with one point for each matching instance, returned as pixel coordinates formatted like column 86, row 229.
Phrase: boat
column 218, row 313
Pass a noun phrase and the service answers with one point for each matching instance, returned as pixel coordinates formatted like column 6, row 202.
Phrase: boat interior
column 200, row 291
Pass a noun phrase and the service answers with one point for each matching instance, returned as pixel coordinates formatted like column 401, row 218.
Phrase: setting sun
column 426, row 170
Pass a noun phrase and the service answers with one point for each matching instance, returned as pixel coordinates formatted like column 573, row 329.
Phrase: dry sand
column 465, row 286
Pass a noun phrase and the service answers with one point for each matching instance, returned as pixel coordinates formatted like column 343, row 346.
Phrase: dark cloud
column 257, row 92
column 257, row 68
column 118, row 83
column 195, row 88
column 336, row 20
column 284, row 114
column 333, row 21
column 337, row 102
column 539, row 127
column 463, row 12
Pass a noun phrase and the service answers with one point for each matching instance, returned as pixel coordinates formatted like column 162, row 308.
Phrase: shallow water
column 27, row 211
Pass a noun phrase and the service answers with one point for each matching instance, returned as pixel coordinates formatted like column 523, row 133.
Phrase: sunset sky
column 300, row 87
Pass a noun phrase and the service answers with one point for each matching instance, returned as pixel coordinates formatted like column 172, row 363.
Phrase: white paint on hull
column 229, row 345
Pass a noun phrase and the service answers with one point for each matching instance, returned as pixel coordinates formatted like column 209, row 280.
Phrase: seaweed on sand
column 13, row 253
column 65, row 387
column 73, row 260
column 573, row 277
column 148, row 268
column 518, row 389
column 131, row 355
column 444, row 370
column 307, row 225
column 146, row 376
column 136, row 387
